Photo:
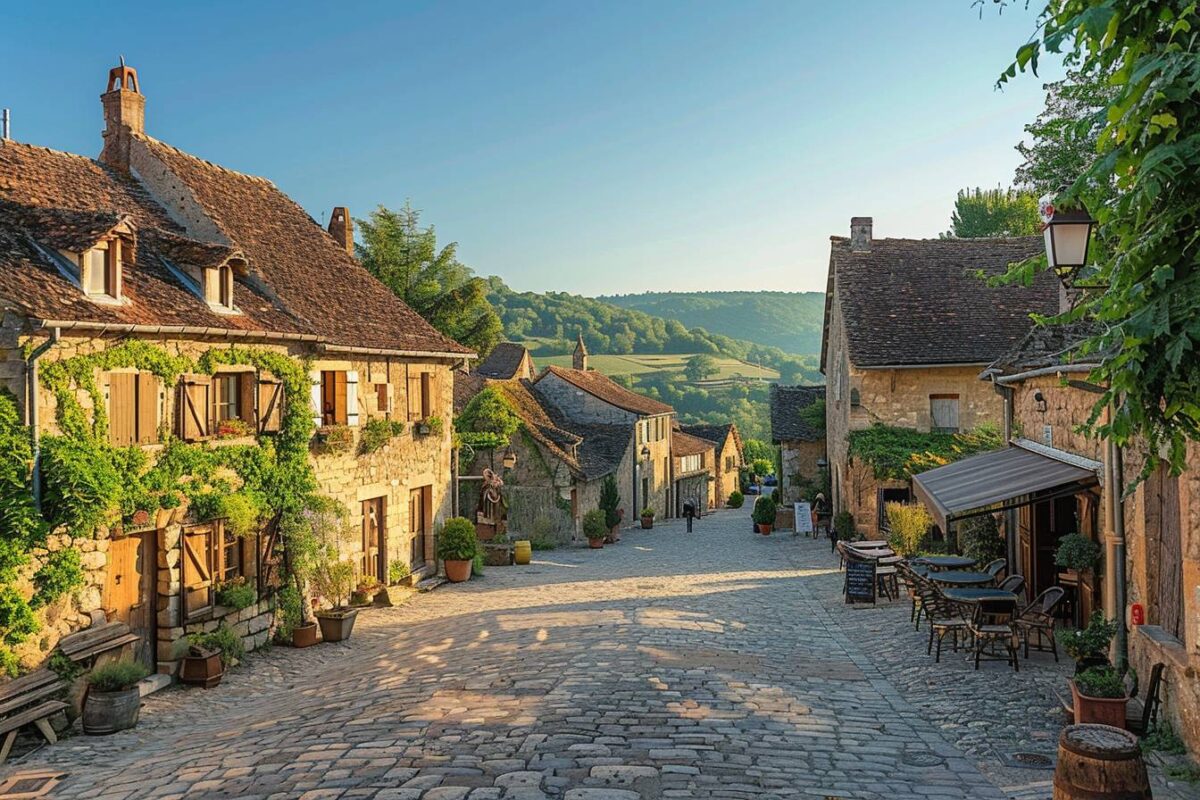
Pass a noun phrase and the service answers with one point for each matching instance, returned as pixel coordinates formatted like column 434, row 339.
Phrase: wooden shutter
column 269, row 411
column 315, row 397
column 193, row 407
column 147, row 408
column 350, row 410
column 246, row 397
column 383, row 397
column 943, row 409
column 197, row 567
column 426, row 395
column 414, row 397
column 122, row 408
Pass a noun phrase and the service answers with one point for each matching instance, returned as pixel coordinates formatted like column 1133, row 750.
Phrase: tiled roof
column 918, row 301
column 503, row 362
column 1048, row 346
column 717, row 434
column 786, row 403
column 683, row 444
column 298, row 280
column 604, row 388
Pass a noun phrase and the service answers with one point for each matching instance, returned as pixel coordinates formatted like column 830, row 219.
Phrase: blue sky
column 599, row 147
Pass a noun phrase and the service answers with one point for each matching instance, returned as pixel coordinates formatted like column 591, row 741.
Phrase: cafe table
column 946, row 562
column 961, row 578
column 973, row 594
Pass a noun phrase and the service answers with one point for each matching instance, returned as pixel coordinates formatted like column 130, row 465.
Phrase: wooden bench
column 102, row 637
column 28, row 700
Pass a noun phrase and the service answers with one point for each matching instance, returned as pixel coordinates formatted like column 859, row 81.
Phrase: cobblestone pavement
column 716, row 664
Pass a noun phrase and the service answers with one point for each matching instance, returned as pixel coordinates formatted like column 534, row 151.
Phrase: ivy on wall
column 899, row 453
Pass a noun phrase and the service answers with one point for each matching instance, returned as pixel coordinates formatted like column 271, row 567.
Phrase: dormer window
column 101, row 270
column 218, row 287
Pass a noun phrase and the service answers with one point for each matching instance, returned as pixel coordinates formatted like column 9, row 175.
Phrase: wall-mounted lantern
column 1067, row 234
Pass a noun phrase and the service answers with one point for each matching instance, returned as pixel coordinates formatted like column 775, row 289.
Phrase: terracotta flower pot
column 596, row 544
column 1099, row 710
column 457, row 571
column 202, row 668
column 109, row 712
column 647, row 523
column 304, row 635
column 337, row 625
column 765, row 530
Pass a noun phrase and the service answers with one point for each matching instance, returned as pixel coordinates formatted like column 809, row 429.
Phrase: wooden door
column 129, row 588
column 374, row 560
column 416, row 526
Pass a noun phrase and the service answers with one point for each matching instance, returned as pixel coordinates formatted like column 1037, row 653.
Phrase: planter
column 457, row 571
column 1098, row 710
column 765, row 530
column 202, row 668
column 304, row 635
column 522, row 552
column 1089, row 662
column 109, row 712
column 596, row 544
column 336, row 625
column 647, row 523
column 360, row 598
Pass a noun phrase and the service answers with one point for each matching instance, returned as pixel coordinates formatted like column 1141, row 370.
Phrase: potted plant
column 610, row 504
column 236, row 593
column 594, row 528
column 1089, row 647
column 764, row 515
column 113, row 699
column 206, row 654
column 457, row 547
column 431, row 426
column 364, row 593
column 647, row 518
column 294, row 626
column 1099, row 696
column 1077, row 553
column 736, row 499
column 334, row 580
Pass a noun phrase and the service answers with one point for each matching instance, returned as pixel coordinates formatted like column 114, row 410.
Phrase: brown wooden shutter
column 339, row 398
column 414, row 397
column 196, row 568
column 147, row 408
column 122, row 408
column 246, row 393
column 426, row 395
column 383, row 397
column 193, row 407
column 270, row 405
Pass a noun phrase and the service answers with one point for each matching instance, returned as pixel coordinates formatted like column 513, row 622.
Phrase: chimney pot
column 124, row 115
column 341, row 227
column 860, row 234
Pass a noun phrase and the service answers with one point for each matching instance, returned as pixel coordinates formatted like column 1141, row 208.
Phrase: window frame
column 933, row 426
column 331, row 413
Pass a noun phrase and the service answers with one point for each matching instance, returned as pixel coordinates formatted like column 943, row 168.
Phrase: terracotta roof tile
column 603, row 387
column 683, row 444
column 503, row 362
column 717, row 434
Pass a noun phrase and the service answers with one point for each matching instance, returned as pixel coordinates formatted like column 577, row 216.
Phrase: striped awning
column 1000, row 479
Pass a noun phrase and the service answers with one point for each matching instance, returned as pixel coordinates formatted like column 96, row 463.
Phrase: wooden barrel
column 522, row 551
column 1099, row 762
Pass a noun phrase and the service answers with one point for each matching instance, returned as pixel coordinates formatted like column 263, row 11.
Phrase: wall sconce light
column 510, row 458
column 645, row 453
column 1040, row 399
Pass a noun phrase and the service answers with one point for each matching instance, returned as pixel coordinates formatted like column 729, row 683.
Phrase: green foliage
column 377, row 432
column 288, row 602
column 1092, row 641
column 1060, row 145
column 610, row 502
column 81, row 487
column 397, row 571
column 405, row 257
column 477, row 565
column 61, row 573
column 17, row 622
column 899, row 453
column 1076, row 551
column 435, row 425
column 62, row 666
column 334, row 439
column 980, row 538
column 736, row 499
column 909, row 523
column 843, row 526
column 1100, row 682
column 489, row 420
column 21, row 527
column 764, row 511
column 117, row 676
column 990, row 213
column 10, row 665
column 236, row 593
column 813, row 415
column 1162, row 738
column 224, row 639
column 761, row 467
column 700, row 366
column 594, row 525
column 1141, row 188
column 457, row 541
column 648, row 512
column 542, row 535
column 757, row 450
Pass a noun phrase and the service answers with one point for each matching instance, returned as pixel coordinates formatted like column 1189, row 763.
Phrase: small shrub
column 224, row 639
column 1162, row 737
column 1100, row 682
column 477, row 564
column 233, row 429
column 10, row 665
column 435, row 425
column 980, row 538
column 610, row 502
column 843, row 526
column 764, row 511
column 81, row 486
column 397, row 571
column 62, row 666
column 290, row 608
column 62, row 573
column 1092, row 641
column 240, row 513
column 334, row 580
column 594, row 526
column 334, row 439
column 1076, row 551
column 458, row 541
column 116, row 676
column 648, row 512
column 909, row 523
column 378, row 432
column 236, row 593
column 736, row 499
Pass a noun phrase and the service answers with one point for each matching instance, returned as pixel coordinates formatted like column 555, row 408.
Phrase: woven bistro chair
column 1038, row 618
column 943, row 618
column 996, row 568
column 1014, row 584
column 908, row 579
column 994, row 623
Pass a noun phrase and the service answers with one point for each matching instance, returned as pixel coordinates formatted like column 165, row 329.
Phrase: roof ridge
column 51, row 150
column 150, row 139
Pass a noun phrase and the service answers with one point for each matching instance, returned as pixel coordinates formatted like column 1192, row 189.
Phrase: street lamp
column 510, row 458
column 1067, row 234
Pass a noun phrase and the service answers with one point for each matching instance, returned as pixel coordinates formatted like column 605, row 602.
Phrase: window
column 100, row 276
column 228, row 395
column 420, row 501
column 218, row 287
column 212, row 556
column 943, row 413
column 231, row 556
column 690, row 463
column 132, row 408
column 225, row 280
column 383, row 398
column 338, row 398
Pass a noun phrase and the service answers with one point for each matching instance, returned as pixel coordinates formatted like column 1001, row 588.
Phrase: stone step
column 430, row 583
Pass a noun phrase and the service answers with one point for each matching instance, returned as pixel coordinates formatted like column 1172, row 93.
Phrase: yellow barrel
column 522, row 551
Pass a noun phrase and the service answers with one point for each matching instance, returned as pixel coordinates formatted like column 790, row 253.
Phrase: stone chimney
column 860, row 234
column 341, row 227
column 580, row 357
column 124, row 115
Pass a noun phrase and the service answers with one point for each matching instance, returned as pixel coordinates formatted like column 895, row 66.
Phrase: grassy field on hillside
column 640, row 364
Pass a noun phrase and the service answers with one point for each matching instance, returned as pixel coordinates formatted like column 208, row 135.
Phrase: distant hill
column 790, row 321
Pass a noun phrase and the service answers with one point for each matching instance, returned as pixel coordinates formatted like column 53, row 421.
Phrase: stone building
column 693, row 478
column 728, row 463
column 1055, row 480
column 561, row 463
column 162, row 290
column 508, row 361
column 908, row 325
column 801, row 439
column 587, row 397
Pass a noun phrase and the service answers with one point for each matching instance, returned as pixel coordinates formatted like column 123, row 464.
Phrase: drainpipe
column 32, row 406
column 1010, row 515
column 1116, row 567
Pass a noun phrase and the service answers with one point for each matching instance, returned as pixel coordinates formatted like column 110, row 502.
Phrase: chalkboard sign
column 803, row 518
column 860, row 581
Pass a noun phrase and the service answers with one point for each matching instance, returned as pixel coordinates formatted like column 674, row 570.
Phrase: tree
column 610, row 501
column 757, row 450
column 699, row 367
column 1061, row 143
column 434, row 283
column 988, row 213
column 1142, row 189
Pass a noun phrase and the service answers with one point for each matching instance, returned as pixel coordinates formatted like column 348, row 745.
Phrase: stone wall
column 727, row 475
column 582, row 406
column 799, row 459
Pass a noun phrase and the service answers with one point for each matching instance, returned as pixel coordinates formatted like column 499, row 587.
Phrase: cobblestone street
column 720, row 664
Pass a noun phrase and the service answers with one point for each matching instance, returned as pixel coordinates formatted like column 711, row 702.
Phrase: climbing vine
column 899, row 453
